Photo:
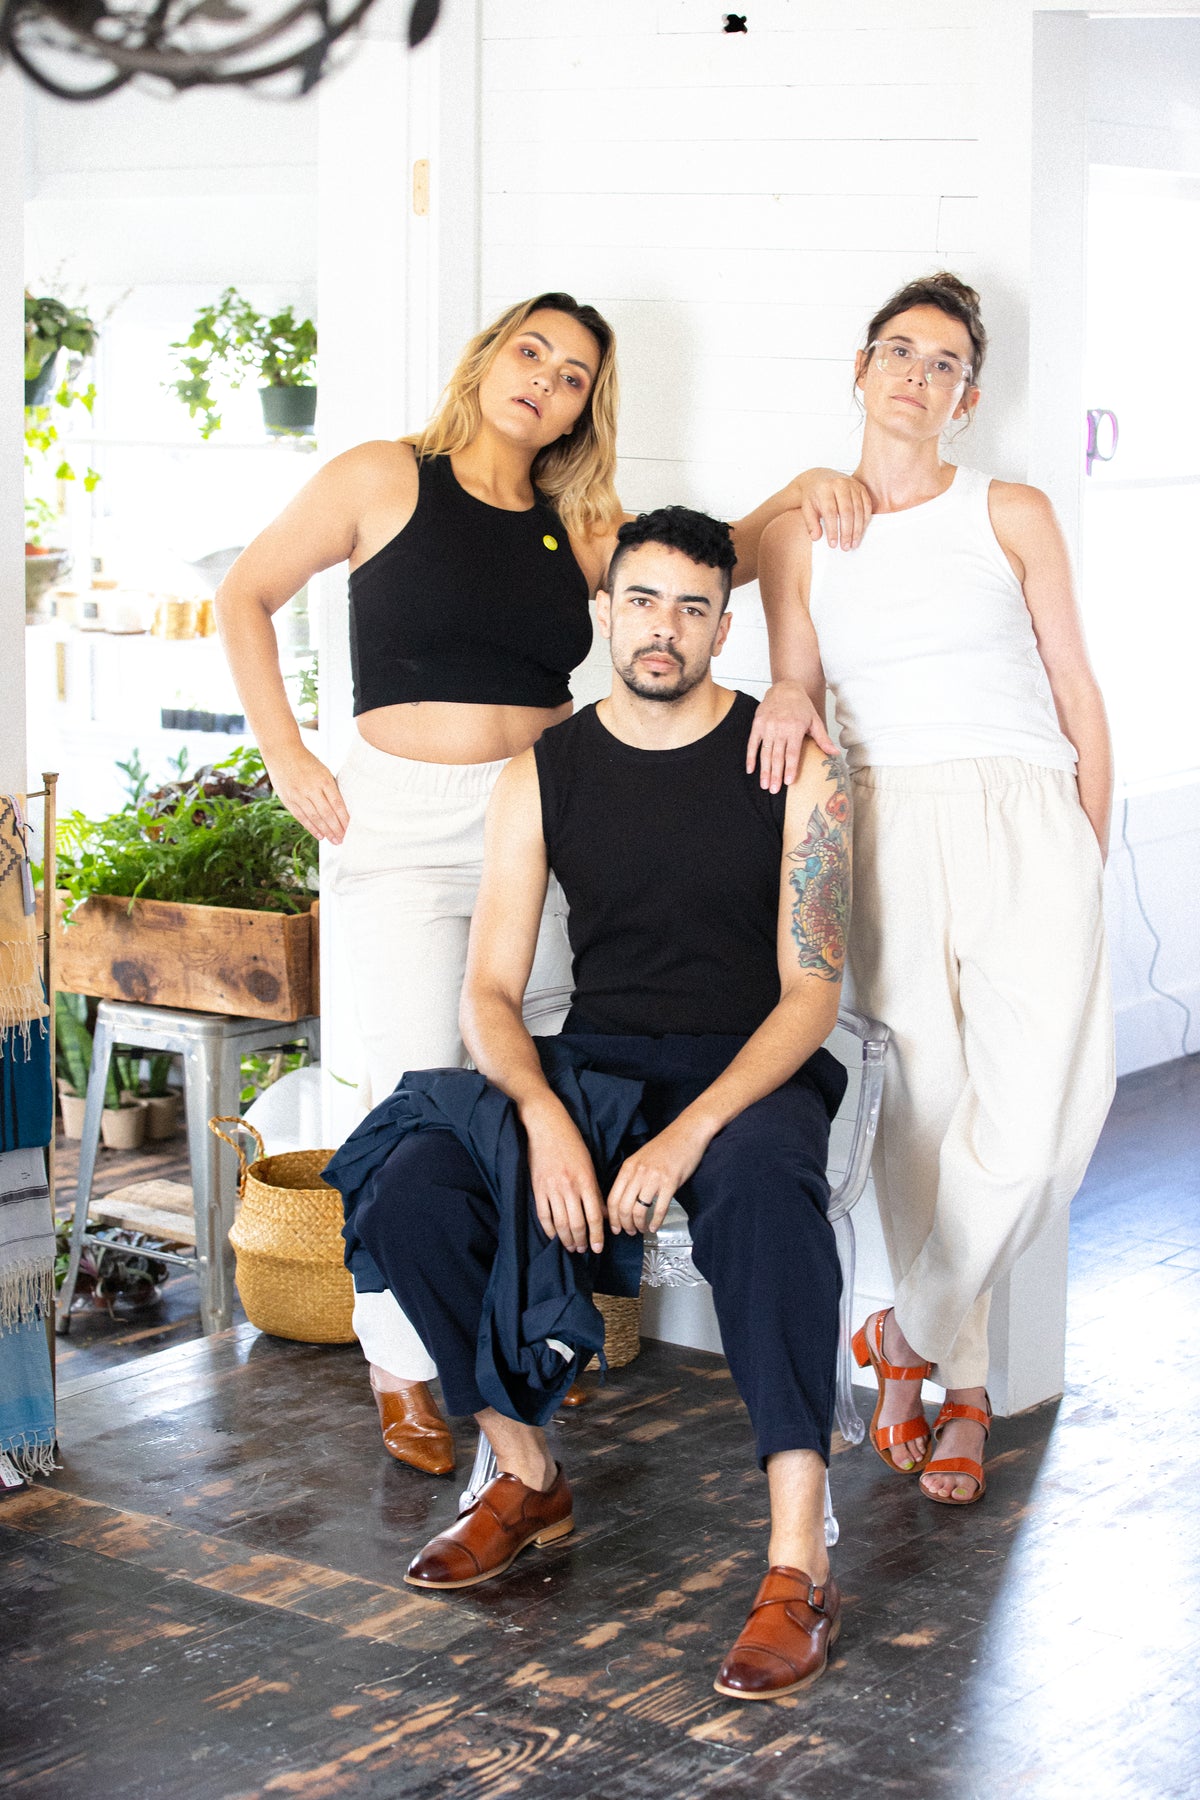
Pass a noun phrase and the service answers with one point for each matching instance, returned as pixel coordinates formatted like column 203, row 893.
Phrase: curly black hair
column 704, row 540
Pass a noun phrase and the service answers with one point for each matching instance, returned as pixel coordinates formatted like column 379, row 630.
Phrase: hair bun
column 944, row 278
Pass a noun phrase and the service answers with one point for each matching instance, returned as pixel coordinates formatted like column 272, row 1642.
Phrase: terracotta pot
column 72, row 1106
column 42, row 569
column 162, row 1116
column 123, row 1127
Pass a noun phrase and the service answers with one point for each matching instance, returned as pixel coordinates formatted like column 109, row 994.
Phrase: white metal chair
column 212, row 1046
column 861, row 1044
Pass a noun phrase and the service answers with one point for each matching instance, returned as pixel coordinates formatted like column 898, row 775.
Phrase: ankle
column 806, row 1554
column 896, row 1347
column 536, row 1472
column 385, row 1383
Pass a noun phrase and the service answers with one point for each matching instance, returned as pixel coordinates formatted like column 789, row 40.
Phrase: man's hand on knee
column 651, row 1177
column 565, row 1190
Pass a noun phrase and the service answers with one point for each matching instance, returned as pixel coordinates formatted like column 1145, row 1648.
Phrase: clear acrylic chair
column 861, row 1045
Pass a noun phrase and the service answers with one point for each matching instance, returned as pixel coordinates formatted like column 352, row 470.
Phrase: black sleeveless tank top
column 669, row 860
column 470, row 603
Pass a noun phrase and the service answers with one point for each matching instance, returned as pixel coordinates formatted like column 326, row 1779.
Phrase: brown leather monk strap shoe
column 786, row 1640
column 414, row 1431
column 492, row 1532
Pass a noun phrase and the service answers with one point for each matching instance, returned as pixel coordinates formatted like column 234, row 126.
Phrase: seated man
column 707, row 921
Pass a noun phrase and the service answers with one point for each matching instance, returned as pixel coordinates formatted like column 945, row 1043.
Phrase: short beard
column 645, row 690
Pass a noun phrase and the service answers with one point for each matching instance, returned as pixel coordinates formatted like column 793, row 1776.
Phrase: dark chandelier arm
column 145, row 49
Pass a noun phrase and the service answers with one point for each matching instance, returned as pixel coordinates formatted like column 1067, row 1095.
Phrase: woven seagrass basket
column 288, row 1239
column 622, row 1328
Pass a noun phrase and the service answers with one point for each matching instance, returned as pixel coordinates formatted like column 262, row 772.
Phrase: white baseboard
column 1150, row 1030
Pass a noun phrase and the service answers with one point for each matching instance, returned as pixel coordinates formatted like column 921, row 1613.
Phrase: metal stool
column 212, row 1047
column 669, row 1263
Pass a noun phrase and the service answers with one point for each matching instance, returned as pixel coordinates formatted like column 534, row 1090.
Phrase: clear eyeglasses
column 895, row 357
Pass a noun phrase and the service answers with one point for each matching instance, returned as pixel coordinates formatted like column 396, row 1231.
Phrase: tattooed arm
column 814, row 913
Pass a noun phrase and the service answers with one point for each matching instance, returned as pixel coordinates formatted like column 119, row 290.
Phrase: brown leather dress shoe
column 414, row 1431
column 786, row 1640
column 492, row 1532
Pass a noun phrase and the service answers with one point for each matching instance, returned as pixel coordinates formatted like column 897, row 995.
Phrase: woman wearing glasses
column 982, row 782
column 473, row 547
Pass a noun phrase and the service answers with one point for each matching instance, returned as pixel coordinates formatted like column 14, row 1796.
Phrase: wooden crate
column 255, row 965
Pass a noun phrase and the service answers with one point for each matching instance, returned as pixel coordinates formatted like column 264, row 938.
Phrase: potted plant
column 123, row 1268
column 232, row 339
column 160, row 1100
column 123, row 1120
column 50, row 326
column 307, row 699
column 196, row 894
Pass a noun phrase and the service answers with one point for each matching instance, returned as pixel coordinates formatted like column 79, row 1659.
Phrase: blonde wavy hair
column 576, row 471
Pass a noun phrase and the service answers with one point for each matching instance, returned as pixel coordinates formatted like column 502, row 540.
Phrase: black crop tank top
column 669, row 861
column 468, row 603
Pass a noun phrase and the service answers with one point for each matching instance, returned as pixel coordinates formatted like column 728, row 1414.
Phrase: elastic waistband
column 449, row 780
column 965, row 775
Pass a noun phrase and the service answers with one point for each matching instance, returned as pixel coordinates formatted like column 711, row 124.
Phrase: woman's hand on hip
column 653, row 1175
column 565, row 1190
column 309, row 791
column 785, row 717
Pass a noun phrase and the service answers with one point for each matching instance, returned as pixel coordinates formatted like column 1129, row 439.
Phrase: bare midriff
column 444, row 731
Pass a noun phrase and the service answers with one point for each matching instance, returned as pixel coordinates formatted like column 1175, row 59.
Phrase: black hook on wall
column 735, row 22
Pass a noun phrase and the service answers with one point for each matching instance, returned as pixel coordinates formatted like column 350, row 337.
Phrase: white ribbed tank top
column 927, row 642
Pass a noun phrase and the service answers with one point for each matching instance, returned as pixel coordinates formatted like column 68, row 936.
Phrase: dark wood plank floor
column 207, row 1601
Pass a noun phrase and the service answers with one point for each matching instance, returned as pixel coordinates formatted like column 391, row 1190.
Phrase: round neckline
column 672, row 751
column 511, row 512
column 904, row 512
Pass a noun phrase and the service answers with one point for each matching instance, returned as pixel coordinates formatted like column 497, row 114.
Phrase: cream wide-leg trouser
column 977, row 936
column 405, row 879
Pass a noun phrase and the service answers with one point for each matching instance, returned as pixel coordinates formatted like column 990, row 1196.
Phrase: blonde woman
column 473, row 547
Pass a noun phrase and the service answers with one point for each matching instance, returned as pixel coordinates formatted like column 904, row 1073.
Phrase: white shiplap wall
column 737, row 205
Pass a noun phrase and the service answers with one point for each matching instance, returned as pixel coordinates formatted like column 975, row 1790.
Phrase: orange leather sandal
column 867, row 1344
column 959, row 1465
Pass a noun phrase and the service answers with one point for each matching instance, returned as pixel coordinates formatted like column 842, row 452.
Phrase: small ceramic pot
column 289, row 411
column 72, row 1106
column 162, row 1117
column 123, row 1127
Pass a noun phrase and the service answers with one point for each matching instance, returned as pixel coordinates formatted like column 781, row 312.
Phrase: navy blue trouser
column 756, row 1206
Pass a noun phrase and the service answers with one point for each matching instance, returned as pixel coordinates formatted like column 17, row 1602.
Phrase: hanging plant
column 50, row 326
column 234, row 341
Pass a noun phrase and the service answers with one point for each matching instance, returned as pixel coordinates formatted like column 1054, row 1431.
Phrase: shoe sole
column 796, row 1686
column 422, row 1468
column 550, row 1535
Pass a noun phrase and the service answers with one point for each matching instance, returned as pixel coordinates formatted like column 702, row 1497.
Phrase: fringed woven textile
column 26, row 1300
column 26, row 1238
column 21, row 998
column 27, row 1433
column 26, row 1089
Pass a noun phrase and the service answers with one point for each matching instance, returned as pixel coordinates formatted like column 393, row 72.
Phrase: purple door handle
column 1094, row 453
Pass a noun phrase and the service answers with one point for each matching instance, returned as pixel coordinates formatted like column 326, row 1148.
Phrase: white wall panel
column 919, row 108
column 907, row 222
column 699, row 275
column 712, row 61
column 546, row 18
column 712, row 165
